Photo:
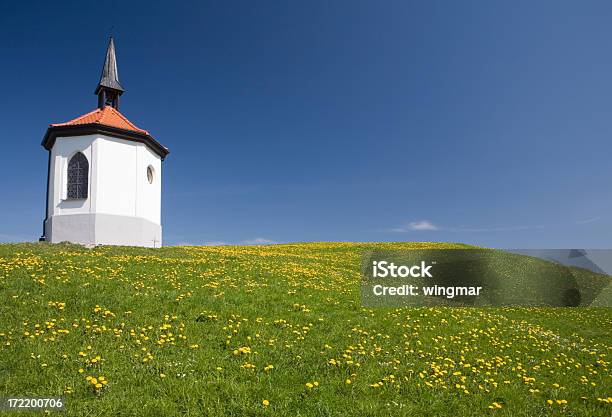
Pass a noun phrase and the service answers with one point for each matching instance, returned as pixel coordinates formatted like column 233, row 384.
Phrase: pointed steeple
column 109, row 88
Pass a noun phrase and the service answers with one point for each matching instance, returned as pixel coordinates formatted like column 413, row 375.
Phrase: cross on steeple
column 109, row 89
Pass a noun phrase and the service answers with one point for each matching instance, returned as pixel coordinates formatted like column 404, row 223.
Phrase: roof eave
column 54, row 132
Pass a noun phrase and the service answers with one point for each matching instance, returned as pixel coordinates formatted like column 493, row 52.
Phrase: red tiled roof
column 108, row 116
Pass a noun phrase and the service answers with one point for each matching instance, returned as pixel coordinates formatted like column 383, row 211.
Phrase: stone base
column 103, row 229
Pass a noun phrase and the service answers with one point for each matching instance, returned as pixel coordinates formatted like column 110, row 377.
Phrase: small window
column 150, row 174
column 78, row 172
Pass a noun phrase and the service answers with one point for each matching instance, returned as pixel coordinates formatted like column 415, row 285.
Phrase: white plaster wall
column 63, row 150
column 123, row 188
column 148, row 203
column 118, row 181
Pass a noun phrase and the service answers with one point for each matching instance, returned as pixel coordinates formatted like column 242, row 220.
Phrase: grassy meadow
column 278, row 330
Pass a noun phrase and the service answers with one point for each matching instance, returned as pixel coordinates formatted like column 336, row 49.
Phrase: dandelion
column 97, row 383
column 441, row 351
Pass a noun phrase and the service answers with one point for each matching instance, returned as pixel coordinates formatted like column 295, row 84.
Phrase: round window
column 150, row 174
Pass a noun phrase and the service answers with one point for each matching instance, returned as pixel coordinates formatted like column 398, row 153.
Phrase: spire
column 109, row 89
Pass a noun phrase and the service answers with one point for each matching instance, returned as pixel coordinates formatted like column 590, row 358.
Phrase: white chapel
column 104, row 174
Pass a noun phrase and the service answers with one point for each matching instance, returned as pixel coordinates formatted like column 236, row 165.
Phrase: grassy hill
column 278, row 330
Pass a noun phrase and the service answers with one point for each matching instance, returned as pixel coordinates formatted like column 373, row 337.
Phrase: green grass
column 211, row 319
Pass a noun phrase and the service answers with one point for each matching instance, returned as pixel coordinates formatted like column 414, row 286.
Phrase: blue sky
column 476, row 121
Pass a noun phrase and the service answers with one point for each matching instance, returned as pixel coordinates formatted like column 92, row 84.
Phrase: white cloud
column 428, row 226
column 422, row 225
column 258, row 241
column 586, row 221
column 215, row 243
column 419, row 226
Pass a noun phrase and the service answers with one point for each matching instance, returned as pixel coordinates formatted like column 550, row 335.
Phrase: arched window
column 78, row 172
